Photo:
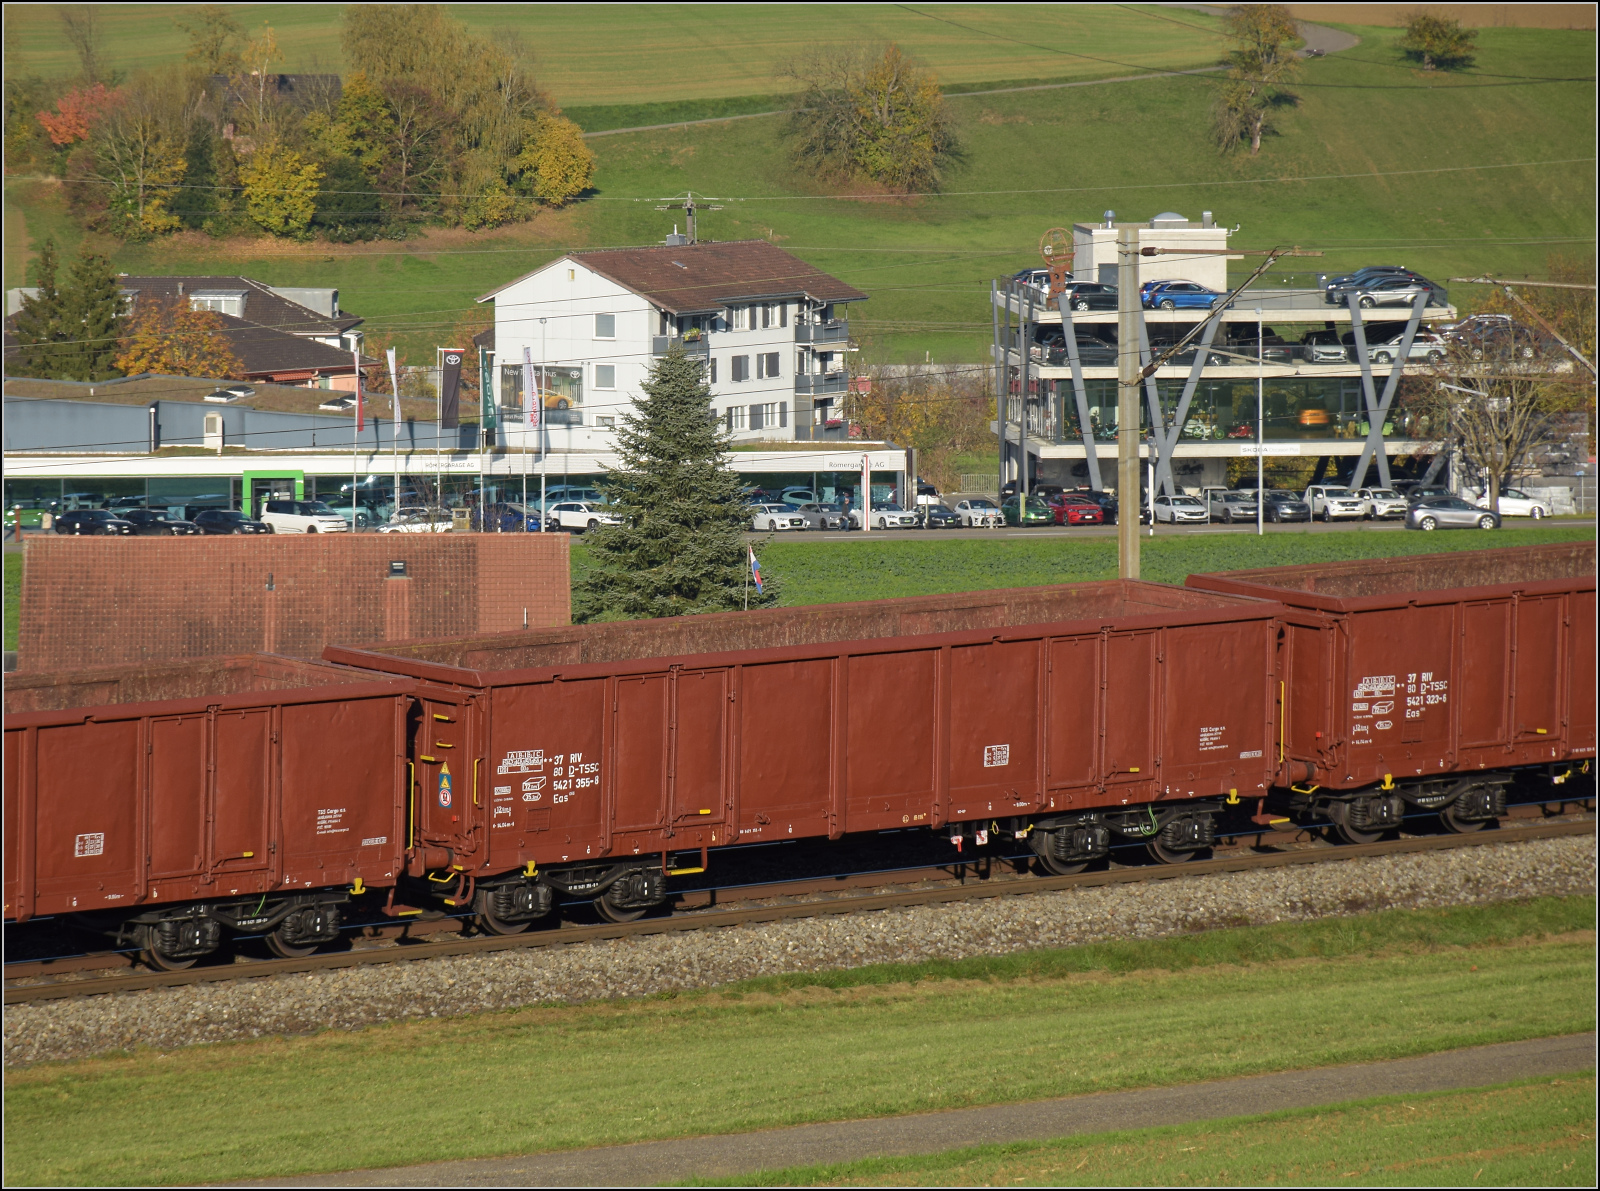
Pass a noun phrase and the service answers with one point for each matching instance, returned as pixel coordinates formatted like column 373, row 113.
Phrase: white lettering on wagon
column 330, row 820
column 1211, row 738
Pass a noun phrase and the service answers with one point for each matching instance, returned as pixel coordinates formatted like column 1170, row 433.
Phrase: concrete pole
column 1127, row 402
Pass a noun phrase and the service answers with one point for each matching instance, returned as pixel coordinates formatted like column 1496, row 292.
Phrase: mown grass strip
column 1525, row 1133
column 542, row 1079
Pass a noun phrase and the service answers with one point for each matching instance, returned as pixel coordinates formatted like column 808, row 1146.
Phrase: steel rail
column 773, row 913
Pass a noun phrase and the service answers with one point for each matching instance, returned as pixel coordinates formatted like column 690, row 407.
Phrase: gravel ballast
column 350, row 998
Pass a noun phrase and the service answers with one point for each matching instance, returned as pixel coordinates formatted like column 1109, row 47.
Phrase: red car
column 1076, row 510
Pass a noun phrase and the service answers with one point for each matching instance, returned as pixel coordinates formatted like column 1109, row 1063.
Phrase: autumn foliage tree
column 871, row 113
column 1437, row 41
column 76, row 113
column 1261, row 62
column 171, row 338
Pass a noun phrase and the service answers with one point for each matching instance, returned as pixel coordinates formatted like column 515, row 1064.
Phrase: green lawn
column 1134, row 1014
column 1528, row 1134
column 1378, row 156
column 13, row 597
column 882, row 566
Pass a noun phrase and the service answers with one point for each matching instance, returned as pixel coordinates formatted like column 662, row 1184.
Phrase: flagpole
column 747, row 581
column 394, row 387
column 355, row 441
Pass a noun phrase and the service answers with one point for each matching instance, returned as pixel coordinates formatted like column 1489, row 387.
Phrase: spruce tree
column 680, row 547
column 38, row 324
column 91, row 319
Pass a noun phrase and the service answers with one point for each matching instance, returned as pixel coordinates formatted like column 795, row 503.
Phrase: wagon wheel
column 611, row 914
column 1339, row 816
column 1454, row 822
column 1063, row 868
column 165, row 963
column 1164, row 855
column 284, row 949
column 490, row 925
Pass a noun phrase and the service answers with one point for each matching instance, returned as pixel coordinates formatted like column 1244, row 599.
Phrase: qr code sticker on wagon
column 90, row 844
column 996, row 754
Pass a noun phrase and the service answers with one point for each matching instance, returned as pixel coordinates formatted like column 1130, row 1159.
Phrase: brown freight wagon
column 1139, row 717
column 164, row 822
column 1432, row 680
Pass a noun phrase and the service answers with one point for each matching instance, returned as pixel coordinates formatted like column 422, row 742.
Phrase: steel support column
column 1084, row 426
column 1166, row 438
column 1378, row 410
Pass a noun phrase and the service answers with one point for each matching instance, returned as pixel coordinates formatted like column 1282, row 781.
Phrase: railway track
column 773, row 911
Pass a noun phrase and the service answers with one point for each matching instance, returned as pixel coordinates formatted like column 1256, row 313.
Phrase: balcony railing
column 820, row 384
column 834, row 331
column 699, row 346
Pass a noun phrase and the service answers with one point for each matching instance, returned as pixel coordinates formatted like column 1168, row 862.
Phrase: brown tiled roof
column 265, row 351
column 261, row 305
column 703, row 277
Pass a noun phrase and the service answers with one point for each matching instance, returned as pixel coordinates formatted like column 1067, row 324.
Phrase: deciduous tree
column 280, row 190
column 1261, row 63
column 169, row 337
column 214, row 39
column 138, row 153
column 555, row 166
column 1438, row 41
column 76, row 113
column 680, row 547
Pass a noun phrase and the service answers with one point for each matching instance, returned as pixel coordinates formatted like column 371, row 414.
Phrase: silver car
column 1397, row 291
column 821, row 514
column 1229, row 507
column 1382, row 503
column 1449, row 512
column 775, row 517
column 1426, row 345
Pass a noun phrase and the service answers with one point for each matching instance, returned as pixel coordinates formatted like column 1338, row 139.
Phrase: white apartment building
column 583, row 331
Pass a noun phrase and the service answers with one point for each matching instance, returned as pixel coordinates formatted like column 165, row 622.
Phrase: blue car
column 1180, row 295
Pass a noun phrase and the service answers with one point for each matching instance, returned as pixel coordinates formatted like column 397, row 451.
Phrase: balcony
column 821, row 384
column 698, row 347
column 833, row 331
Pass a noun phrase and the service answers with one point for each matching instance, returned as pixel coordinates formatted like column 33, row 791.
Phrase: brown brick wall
column 110, row 601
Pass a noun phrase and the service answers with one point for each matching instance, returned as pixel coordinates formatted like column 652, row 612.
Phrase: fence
column 981, row 483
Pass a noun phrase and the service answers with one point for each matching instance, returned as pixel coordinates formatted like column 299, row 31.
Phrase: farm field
column 1533, row 1133
column 746, row 1056
column 1488, row 170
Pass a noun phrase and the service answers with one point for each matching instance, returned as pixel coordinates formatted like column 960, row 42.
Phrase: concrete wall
column 119, row 601
column 45, row 424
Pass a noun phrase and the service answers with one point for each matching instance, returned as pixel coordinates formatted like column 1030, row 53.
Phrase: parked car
column 227, row 521
column 506, row 517
column 1426, row 345
column 1397, row 291
column 1036, row 277
column 421, row 522
column 885, row 516
column 1107, row 502
column 303, row 516
column 93, row 522
column 1334, row 288
column 823, row 514
column 1229, row 507
column 1182, row 295
column 1093, row 350
column 571, row 492
column 776, row 517
column 1514, row 502
column 1090, row 295
column 1024, row 512
column 1184, row 358
column 1174, row 509
column 364, row 518
column 1323, row 347
column 939, row 516
column 1449, row 512
column 1284, row 506
column 153, row 523
column 1381, row 504
column 1072, row 509
column 579, row 515
column 1244, row 349
column 979, row 512
column 1418, row 492
column 1332, row 502
column 1497, row 334
column 29, row 514
column 797, row 497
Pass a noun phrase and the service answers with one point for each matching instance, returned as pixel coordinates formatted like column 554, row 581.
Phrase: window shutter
column 783, row 314
column 772, row 364
column 783, row 413
column 713, row 370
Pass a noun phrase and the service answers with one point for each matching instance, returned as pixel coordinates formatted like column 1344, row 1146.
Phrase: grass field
column 885, row 566
column 13, row 598
column 630, row 53
column 1378, row 162
column 1527, row 1134
column 746, row 1057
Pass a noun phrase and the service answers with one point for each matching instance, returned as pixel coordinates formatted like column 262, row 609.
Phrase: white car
column 419, row 523
column 773, row 517
column 580, row 515
column 979, row 512
column 1428, row 345
column 1514, row 502
column 303, row 516
column 1383, row 503
column 885, row 517
column 1174, row 509
column 1331, row 502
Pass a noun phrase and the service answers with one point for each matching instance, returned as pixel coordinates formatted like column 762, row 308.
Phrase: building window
column 768, row 415
column 741, row 317
column 605, row 326
column 767, row 365
column 604, row 421
column 741, row 368
column 713, row 370
column 735, row 417
column 222, row 301
column 605, row 376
